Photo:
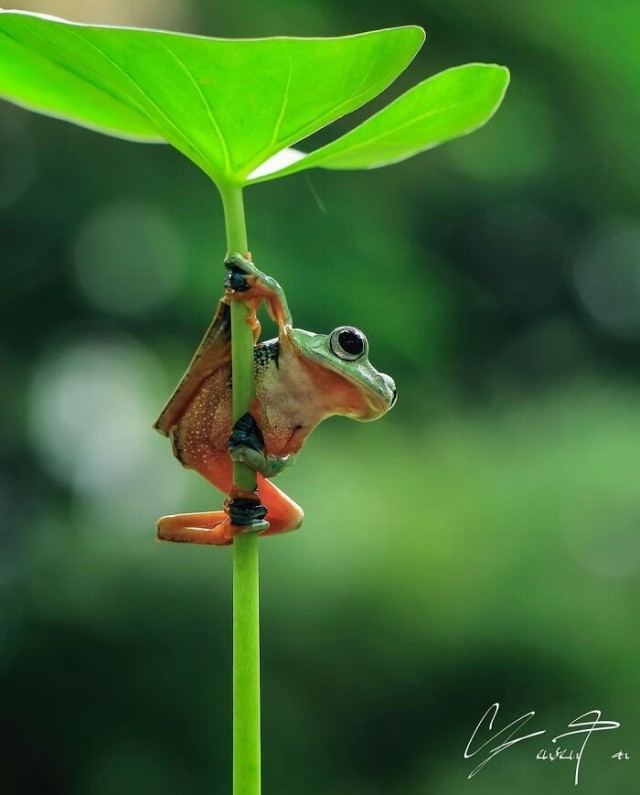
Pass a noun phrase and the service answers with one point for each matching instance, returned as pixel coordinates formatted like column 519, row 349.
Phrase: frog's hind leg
column 208, row 527
column 242, row 512
column 283, row 514
column 216, row 528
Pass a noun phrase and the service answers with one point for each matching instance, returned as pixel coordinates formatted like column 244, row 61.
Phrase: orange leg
column 214, row 527
column 283, row 514
column 209, row 527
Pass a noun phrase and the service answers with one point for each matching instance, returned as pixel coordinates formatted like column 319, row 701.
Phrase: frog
column 301, row 379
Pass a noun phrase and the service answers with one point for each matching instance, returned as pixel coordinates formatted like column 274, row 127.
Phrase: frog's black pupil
column 350, row 342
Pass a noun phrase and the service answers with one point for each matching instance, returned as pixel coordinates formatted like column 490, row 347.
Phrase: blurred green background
column 479, row 544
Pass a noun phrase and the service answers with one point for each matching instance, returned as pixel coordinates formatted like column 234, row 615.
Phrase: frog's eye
column 348, row 343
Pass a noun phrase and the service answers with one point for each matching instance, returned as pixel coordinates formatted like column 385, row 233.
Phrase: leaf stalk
column 246, row 583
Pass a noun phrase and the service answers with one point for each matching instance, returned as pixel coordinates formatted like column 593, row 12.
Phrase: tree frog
column 301, row 378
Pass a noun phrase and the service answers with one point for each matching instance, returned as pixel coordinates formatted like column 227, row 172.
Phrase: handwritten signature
column 586, row 725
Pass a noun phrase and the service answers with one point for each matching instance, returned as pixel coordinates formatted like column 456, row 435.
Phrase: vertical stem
column 246, row 585
column 246, row 666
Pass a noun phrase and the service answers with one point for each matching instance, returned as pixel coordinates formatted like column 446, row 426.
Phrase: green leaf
column 450, row 104
column 227, row 104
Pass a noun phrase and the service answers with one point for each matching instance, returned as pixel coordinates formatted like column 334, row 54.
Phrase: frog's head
column 352, row 385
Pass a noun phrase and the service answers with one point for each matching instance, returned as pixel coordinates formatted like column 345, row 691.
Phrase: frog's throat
column 369, row 403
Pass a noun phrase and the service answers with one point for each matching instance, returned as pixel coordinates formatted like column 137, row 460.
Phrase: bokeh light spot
column 129, row 258
column 87, row 405
column 607, row 279
column 604, row 538
column 171, row 14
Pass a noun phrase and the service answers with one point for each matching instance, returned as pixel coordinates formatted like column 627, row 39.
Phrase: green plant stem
column 246, row 583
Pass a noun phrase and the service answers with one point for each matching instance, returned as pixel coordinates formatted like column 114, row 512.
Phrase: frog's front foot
column 246, row 445
column 238, row 271
column 242, row 274
column 245, row 282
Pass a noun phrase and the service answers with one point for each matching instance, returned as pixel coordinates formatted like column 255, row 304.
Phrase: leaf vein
column 283, row 107
column 310, row 126
column 211, row 115
column 79, row 75
column 394, row 130
column 145, row 94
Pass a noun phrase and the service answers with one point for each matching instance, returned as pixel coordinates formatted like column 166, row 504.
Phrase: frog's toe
column 237, row 282
column 246, row 514
column 236, row 262
column 246, row 446
column 239, row 271
column 247, row 455
column 246, row 435
column 210, row 527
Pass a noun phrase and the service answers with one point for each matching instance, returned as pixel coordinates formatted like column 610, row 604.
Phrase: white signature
column 586, row 724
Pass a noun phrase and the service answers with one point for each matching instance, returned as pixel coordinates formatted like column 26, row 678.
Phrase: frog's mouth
column 363, row 403
column 378, row 400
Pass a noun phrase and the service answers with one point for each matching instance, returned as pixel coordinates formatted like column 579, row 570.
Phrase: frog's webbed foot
column 243, row 513
column 246, row 445
column 246, row 282
column 218, row 528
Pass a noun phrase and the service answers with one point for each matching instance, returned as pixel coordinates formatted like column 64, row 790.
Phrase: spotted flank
column 265, row 353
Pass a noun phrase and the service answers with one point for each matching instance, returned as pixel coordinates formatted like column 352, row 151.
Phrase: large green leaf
column 452, row 103
column 227, row 104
